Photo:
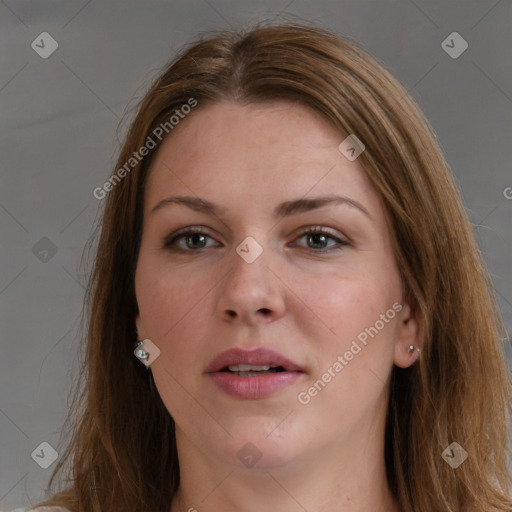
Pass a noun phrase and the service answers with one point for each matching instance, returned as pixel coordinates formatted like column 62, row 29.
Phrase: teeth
column 250, row 367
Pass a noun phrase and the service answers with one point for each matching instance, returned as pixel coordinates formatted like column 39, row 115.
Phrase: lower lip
column 254, row 388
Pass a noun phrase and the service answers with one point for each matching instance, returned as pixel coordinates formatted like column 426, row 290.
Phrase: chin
column 256, row 449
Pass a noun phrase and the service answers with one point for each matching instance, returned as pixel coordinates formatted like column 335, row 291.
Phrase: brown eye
column 318, row 238
column 190, row 239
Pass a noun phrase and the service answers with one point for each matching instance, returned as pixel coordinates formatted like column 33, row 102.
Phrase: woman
column 314, row 328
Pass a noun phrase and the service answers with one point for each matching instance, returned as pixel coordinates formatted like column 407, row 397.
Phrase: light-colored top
column 42, row 509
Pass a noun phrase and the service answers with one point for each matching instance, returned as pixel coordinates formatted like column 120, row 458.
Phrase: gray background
column 61, row 124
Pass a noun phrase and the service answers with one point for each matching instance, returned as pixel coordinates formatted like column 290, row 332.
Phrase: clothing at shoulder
column 42, row 509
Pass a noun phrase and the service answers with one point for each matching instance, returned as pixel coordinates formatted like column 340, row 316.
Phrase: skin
column 327, row 454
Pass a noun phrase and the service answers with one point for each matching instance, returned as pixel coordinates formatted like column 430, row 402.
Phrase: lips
column 253, row 374
column 259, row 357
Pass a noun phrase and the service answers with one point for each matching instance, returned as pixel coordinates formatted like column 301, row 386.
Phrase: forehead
column 265, row 151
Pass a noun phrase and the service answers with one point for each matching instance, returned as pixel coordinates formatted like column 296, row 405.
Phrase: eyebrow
column 285, row 209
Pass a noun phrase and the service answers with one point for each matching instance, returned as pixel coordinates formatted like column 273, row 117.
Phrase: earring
column 412, row 348
column 140, row 353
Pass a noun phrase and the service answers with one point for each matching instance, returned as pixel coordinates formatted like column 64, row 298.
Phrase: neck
column 340, row 479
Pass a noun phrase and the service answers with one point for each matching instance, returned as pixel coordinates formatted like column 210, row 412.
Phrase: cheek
column 354, row 357
column 172, row 305
column 170, row 302
column 341, row 306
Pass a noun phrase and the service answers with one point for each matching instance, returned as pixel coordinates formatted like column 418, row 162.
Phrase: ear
column 409, row 333
column 141, row 330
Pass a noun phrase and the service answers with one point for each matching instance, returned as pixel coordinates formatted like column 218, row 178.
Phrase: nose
column 251, row 291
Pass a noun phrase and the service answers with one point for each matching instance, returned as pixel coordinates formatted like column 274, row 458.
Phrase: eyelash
column 170, row 242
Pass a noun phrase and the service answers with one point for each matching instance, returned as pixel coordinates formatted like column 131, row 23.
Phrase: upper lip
column 257, row 357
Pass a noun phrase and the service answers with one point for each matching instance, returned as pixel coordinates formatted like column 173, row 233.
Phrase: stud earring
column 141, row 354
column 412, row 348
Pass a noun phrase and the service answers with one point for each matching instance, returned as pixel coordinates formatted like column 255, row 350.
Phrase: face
column 269, row 277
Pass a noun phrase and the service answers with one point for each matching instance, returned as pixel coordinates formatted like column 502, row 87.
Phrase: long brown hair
column 122, row 453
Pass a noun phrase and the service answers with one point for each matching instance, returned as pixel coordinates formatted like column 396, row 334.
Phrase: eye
column 194, row 238
column 319, row 237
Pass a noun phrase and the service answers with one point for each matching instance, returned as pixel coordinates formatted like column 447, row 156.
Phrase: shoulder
column 41, row 509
